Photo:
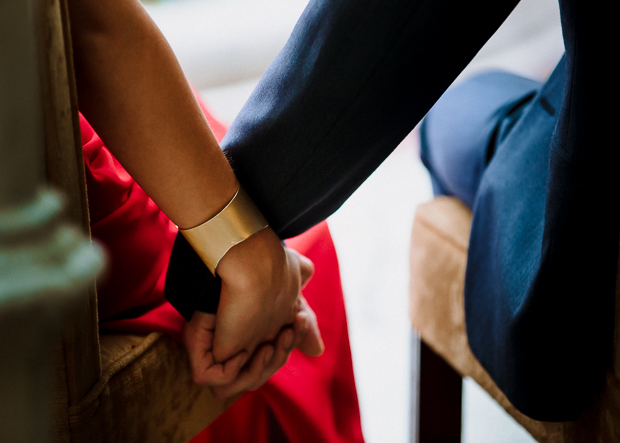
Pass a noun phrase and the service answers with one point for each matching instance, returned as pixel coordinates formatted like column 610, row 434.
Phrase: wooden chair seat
column 439, row 243
column 145, row 394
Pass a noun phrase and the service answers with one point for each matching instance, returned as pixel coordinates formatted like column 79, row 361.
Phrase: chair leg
column 436, row 397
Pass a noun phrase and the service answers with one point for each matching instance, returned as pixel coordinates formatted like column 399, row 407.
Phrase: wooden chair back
column 118, row 387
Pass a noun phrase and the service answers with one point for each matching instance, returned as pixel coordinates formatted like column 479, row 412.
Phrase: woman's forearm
column 133, row 92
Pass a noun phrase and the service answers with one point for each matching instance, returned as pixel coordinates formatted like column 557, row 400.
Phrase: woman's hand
column 261, row 283
column 134, row 93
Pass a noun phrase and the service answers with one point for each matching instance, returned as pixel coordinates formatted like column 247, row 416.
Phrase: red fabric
column 312, row 399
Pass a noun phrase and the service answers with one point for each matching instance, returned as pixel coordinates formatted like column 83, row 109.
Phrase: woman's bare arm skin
column 133, row 92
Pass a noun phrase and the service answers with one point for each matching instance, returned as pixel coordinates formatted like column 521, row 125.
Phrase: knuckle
column 228, row 378
column 255, row 378
column 256, row 385
column 281, row 362
column 198, row 378
column 219, row 393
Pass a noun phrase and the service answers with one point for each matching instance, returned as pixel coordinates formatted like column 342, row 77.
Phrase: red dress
column 312, row 399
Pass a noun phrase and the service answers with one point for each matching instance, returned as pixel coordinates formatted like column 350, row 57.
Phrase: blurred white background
column 224, row 46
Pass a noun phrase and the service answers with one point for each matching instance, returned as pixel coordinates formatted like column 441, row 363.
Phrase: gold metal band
column 232, row 225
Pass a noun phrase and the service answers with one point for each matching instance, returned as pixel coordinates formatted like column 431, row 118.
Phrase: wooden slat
column 65, row 171
column 64, row 161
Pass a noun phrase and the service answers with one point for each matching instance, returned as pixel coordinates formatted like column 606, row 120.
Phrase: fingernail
column 268, row 355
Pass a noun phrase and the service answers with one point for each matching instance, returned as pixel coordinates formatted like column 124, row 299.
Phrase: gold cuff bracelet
column 232, row 225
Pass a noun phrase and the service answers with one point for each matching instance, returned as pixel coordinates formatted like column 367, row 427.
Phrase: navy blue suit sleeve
column 353, row 80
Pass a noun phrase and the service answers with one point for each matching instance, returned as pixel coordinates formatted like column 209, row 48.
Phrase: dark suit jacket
column 353, row 80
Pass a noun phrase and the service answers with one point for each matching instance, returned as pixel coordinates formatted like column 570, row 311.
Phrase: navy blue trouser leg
column 460, row 133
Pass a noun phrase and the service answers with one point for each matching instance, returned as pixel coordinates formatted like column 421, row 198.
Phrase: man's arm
column 353, row 80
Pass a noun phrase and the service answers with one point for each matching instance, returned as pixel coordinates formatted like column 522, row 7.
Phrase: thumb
column 310, row 341
column 306, row 269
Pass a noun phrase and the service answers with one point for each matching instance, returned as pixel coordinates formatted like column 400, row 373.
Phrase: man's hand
column 198, row 340
column 232, row 377
column 261, row 281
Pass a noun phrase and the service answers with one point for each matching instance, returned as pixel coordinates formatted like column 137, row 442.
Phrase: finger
column 198, row 338
column 204, row 319
column 306, row 268
column 299, row 327
column 309, row 340
column 282, row 351
column 264, row 364
column 207, row 372
column 312, row 343
column 199, row 329
column 249, row 377
column 286, row 340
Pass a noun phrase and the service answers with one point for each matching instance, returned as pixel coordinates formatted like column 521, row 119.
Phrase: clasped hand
column 261, row 318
